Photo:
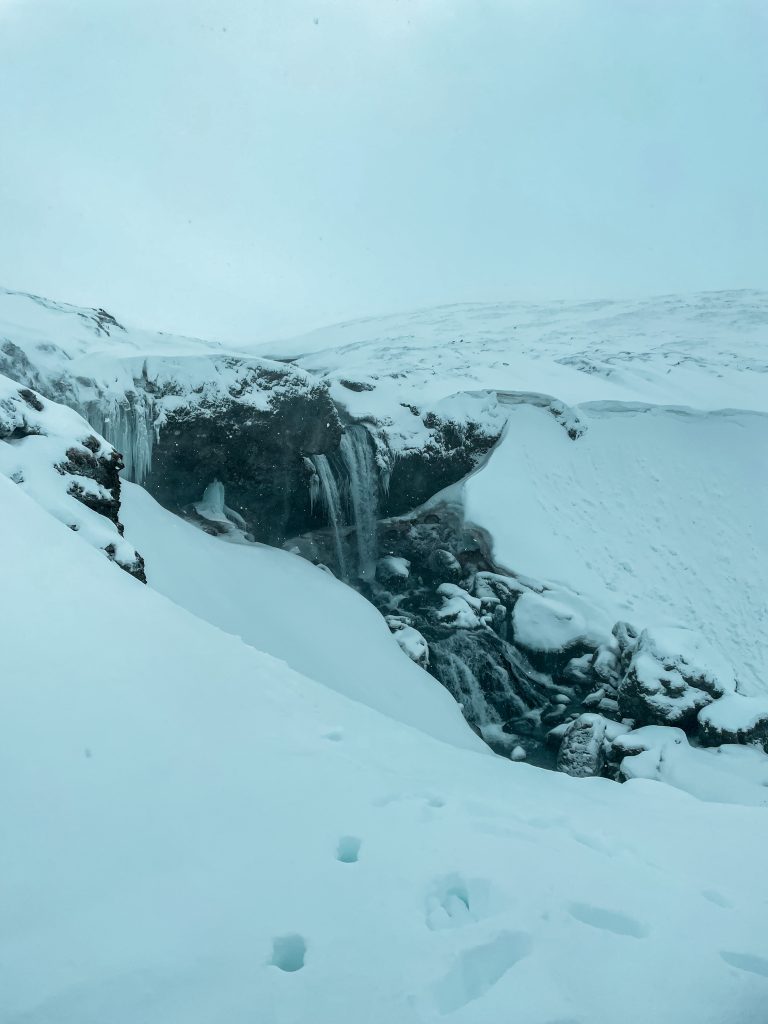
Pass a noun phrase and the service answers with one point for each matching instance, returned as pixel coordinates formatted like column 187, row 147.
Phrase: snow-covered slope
column 704, row 350
column 279, row 603
column 197, row 833
column 652, row 514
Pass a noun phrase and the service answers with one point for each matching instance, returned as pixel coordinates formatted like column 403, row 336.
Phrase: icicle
column 357, row 453
column 128, row 427
column 329, row 492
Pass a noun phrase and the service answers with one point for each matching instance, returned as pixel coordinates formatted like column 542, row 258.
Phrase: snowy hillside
column 199, row 831
column 653, row 514
column 240, row 792
column 708, row 351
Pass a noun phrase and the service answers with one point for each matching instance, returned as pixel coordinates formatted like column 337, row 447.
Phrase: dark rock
column 259, row 455
column 444, row 565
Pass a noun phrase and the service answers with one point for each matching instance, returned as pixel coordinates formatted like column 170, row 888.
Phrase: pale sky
column 242, row 169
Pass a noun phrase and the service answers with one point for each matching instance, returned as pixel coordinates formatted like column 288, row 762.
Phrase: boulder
column 735, row 719
column 585, row 745
column 672, row 674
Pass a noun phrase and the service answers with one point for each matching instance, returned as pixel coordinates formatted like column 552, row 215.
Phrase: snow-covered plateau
column 404, row 600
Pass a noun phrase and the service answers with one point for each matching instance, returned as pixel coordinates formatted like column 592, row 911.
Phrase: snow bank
column 279, row 603
column 198, row 833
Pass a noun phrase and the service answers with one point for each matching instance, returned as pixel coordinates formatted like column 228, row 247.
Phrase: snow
column 734, row 712
column 654, row 514
column 231, row 796
column 725, row 774
column 126, row 381
column 703, row 350
column 277, row 602
column 543, row 624
column 185, row 810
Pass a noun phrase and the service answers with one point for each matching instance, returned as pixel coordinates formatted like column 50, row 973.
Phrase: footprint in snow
column 453, row 902
column 717, row 898
column 607, row 920
column 478, row 969
column 746, row 962
column 288, row 952
column 348, row 849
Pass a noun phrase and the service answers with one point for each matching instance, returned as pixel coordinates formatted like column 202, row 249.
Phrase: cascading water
column 358, row 457
column 329, row 494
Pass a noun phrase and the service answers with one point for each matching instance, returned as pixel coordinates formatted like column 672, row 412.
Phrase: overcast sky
column 248, row 168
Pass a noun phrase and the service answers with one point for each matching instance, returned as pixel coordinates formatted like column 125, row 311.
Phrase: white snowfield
column 228, row 797
column 707, row 350
column 197, row 833
column 653, row 515
column 656, row 512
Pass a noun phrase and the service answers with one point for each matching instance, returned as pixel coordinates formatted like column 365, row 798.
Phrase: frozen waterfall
column 329, row 495
column 358, row 457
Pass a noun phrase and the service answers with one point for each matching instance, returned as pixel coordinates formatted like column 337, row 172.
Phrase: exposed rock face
column 255, row 441
column 53, row 454
column 452, row 450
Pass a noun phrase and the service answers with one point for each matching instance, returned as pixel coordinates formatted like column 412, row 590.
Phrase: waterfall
column 457, row 677
column 357, row 455
column 329, row 494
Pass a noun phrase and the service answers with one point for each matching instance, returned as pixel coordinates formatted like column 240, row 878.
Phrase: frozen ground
column 197, row 833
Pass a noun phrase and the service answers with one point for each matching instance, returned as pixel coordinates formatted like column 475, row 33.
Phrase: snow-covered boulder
column 410, row 640
column 726, row 774
column 672, row 674
column 459, row 608
column 393, row 572
column 550, row 630
column 735, row 718
column 56, row 458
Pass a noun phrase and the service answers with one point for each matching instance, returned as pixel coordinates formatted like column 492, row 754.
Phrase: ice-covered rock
column 217, row 517
column 60, row 462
